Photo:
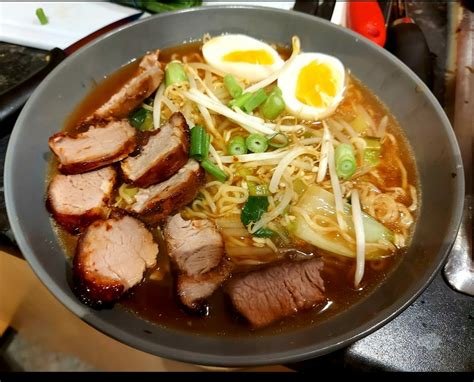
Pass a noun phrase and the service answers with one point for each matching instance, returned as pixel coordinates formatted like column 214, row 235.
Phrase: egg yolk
column 315, row 84
column 256, row 57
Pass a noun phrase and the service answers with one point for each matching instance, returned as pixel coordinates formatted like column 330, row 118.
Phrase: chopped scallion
column 199, row 149
column 345, row 161
column 273, row 106
column 256, row 143
column 174, row 74
column 240, row 101
column 237, row 146
column 41, row 16
column 232, row 86
column 215, row 171
column 255, row 101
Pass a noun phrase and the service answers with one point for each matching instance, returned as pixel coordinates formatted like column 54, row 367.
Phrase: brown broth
column 156, row 301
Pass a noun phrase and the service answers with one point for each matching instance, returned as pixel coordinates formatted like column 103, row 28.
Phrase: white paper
column 68, row 22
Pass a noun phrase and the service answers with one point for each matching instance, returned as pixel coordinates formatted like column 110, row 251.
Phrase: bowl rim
column 241, row 360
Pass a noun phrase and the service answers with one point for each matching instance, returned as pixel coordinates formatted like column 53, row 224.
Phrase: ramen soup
column 232, row 187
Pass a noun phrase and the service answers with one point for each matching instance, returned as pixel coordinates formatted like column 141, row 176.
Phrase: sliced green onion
column 276, row 90
column 215, row 171
column 345, row 161
column 199, row 143
column 255, row 101
column 278, row 141
column 237, row 146
column 240, row 101
column 256, row 189
column 232, row 86
column 273, row 106
column 41, row 16
column 174, row 74
column 256, row 143
column 137, row 118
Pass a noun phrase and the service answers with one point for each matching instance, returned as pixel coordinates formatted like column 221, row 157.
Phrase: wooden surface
column 28, row 307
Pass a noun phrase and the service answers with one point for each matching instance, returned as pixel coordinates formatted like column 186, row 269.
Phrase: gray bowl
column 426, row 126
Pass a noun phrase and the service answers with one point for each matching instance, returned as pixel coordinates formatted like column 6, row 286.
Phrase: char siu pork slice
column 94, row 148
column 196, row 249
column 155, row 203
column 111, row 258
column 162, row 156
column 194, row 290
column 145, row 81
column 263, row 297
column 195, row 246
column 75, row 201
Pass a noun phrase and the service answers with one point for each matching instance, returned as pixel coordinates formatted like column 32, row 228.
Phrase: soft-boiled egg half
column 313, row 85
column 242, row 56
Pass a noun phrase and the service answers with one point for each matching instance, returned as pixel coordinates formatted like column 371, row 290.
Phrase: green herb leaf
column 253, row 209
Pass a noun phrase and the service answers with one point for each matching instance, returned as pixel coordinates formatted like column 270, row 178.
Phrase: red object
column 366, row 18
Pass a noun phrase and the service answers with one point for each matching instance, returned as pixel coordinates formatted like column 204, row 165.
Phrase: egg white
column 215, row 49
column 288, row 80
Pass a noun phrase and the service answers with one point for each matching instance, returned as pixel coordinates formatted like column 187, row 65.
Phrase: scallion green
column 256, row 143
column 174, row 74
column 240, row 101
column 232, row 86
column 237, row 146
column 199, row 149
column 273, row 106
column 255, row 101
column 41, row 16
column 215, row 171
column 276, row 90
column 344, row 157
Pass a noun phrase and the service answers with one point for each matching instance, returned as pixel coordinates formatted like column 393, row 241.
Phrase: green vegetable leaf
column 253, row 209
column 264, row 232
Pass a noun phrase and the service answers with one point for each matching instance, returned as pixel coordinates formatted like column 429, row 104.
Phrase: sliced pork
column 97, row 147
column 145, row 81
column 195, row 246
column 111, row 258
column 75, row 201
column 196, row 249
column 162, row 156
column 155, row 203
column 263, row 297
column 194, row 290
